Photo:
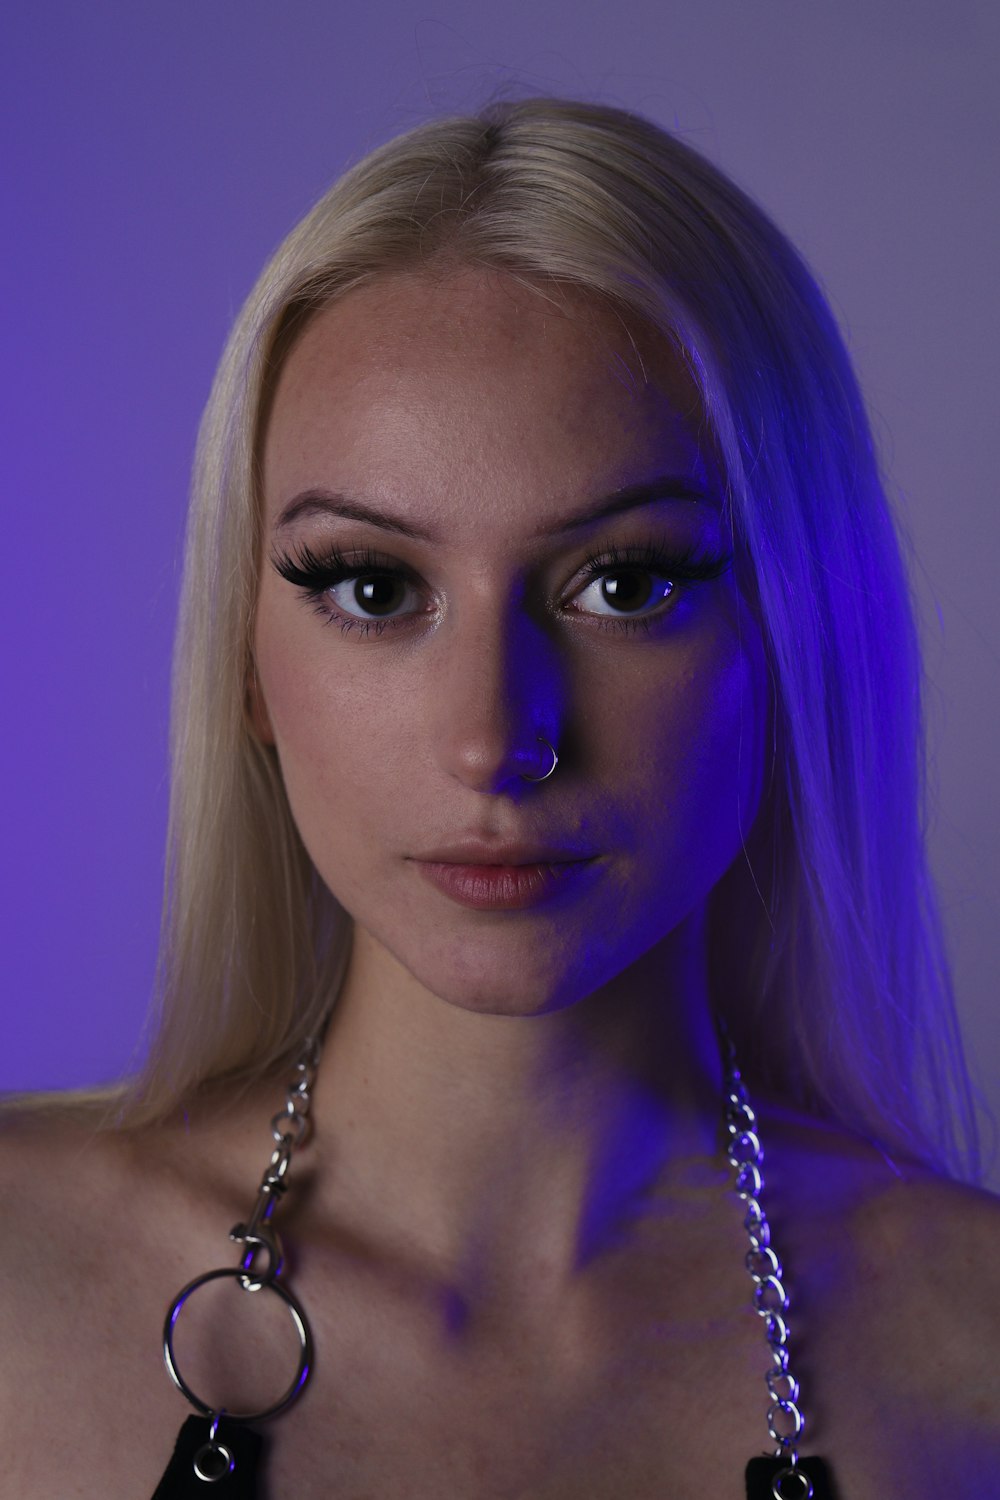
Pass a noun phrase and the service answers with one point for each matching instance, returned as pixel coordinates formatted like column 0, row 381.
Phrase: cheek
column 348, row 744
column 326, row 736
column 691, row 752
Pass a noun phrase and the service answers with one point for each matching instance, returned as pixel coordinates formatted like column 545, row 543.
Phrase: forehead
column 479, row 398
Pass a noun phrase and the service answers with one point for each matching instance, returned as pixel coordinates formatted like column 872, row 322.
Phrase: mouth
column 476, row 849
column 504, row 886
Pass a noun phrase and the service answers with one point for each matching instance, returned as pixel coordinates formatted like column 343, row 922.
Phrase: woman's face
column 537, row 547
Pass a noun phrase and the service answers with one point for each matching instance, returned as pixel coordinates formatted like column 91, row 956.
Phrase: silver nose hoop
column 555, row 761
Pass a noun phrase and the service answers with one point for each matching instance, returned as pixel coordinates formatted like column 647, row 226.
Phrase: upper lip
column 478, row 851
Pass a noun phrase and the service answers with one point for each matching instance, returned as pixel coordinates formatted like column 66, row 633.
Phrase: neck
column 492, row 1139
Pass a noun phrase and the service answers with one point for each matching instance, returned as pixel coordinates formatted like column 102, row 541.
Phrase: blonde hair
column 842, row 1002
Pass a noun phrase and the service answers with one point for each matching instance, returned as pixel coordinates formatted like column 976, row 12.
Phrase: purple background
column 158, row 152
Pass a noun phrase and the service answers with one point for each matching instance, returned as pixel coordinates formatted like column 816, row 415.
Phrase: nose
column 501, row 696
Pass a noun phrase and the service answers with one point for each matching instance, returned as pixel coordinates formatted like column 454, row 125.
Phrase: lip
column 479, row 851
column 497, row 886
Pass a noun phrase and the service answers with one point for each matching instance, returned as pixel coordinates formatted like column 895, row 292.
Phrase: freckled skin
column 478, row 407
column 510, row 1226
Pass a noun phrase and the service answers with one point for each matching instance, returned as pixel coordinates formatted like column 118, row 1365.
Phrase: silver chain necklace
column 785, row 1422
column 221, row 1448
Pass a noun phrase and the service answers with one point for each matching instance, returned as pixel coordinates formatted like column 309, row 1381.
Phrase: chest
column 503, row 1427
column 664, row 1397
column 678, row 1413
column 675, row 1406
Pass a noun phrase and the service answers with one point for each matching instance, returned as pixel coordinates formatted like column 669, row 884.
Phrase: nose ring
column 555, row 761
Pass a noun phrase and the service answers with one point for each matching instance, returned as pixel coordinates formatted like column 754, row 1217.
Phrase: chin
column 497, row 989
column 512, row 977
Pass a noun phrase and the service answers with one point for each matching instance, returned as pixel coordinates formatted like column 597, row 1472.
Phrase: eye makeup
column 381, row 583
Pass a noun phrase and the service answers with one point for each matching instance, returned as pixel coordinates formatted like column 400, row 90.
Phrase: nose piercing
column 546, row 774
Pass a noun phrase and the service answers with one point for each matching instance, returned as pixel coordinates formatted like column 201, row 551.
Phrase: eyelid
column 693, row 560
column 682, row 568
column 304, row 567
column 316, row 574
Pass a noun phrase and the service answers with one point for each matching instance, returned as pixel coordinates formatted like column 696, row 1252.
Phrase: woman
column 547, row 694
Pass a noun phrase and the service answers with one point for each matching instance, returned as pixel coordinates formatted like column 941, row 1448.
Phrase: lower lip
column 501, row 887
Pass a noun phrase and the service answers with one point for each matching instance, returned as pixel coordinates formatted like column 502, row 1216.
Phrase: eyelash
column 314, row 574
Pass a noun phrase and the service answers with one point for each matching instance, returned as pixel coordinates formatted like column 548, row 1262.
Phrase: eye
column 625, row 591
column 372, row 596
column 362, row 591
column 636, row 581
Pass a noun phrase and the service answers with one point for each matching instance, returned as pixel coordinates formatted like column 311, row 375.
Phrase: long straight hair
column 841, row 1001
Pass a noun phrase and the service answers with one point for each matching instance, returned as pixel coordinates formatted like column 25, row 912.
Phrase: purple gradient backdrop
column 157, row 153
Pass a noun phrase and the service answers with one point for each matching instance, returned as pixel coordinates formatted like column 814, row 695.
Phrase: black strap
column 762, row 1472
column 242, row 1445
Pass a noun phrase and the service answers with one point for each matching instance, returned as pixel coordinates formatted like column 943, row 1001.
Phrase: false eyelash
column 317, row 573
column 314, row 574
column 687, row 565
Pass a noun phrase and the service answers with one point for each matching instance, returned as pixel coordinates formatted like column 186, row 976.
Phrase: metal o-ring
column 207, row 1474
column 301, row 1328
column 805, row 1491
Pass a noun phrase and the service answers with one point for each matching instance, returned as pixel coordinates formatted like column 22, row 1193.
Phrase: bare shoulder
column 918, row 1241
column 894, row 1211
column 896, row 1277
column 928, row 1257
column 945, row 1230
column 51, row 1154
column 101, row 1226
column 87, row 1207
column 61, row 1172
column 74, row 1183
column 928, row 1250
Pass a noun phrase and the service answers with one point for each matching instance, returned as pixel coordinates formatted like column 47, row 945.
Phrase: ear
column 255, row 708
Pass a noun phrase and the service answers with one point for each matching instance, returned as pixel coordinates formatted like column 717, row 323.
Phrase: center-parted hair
column 840, row 998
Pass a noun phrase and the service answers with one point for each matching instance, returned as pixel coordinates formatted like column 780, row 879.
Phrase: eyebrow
column 649, row 492
column 319, row 502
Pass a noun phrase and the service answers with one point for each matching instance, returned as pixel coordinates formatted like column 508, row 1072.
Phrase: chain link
column 259, row 1269
column 262, row 1257
column 785, row 1422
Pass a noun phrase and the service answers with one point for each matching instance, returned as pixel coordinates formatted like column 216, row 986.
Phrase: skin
column 483, row 412
column 511, row 1225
